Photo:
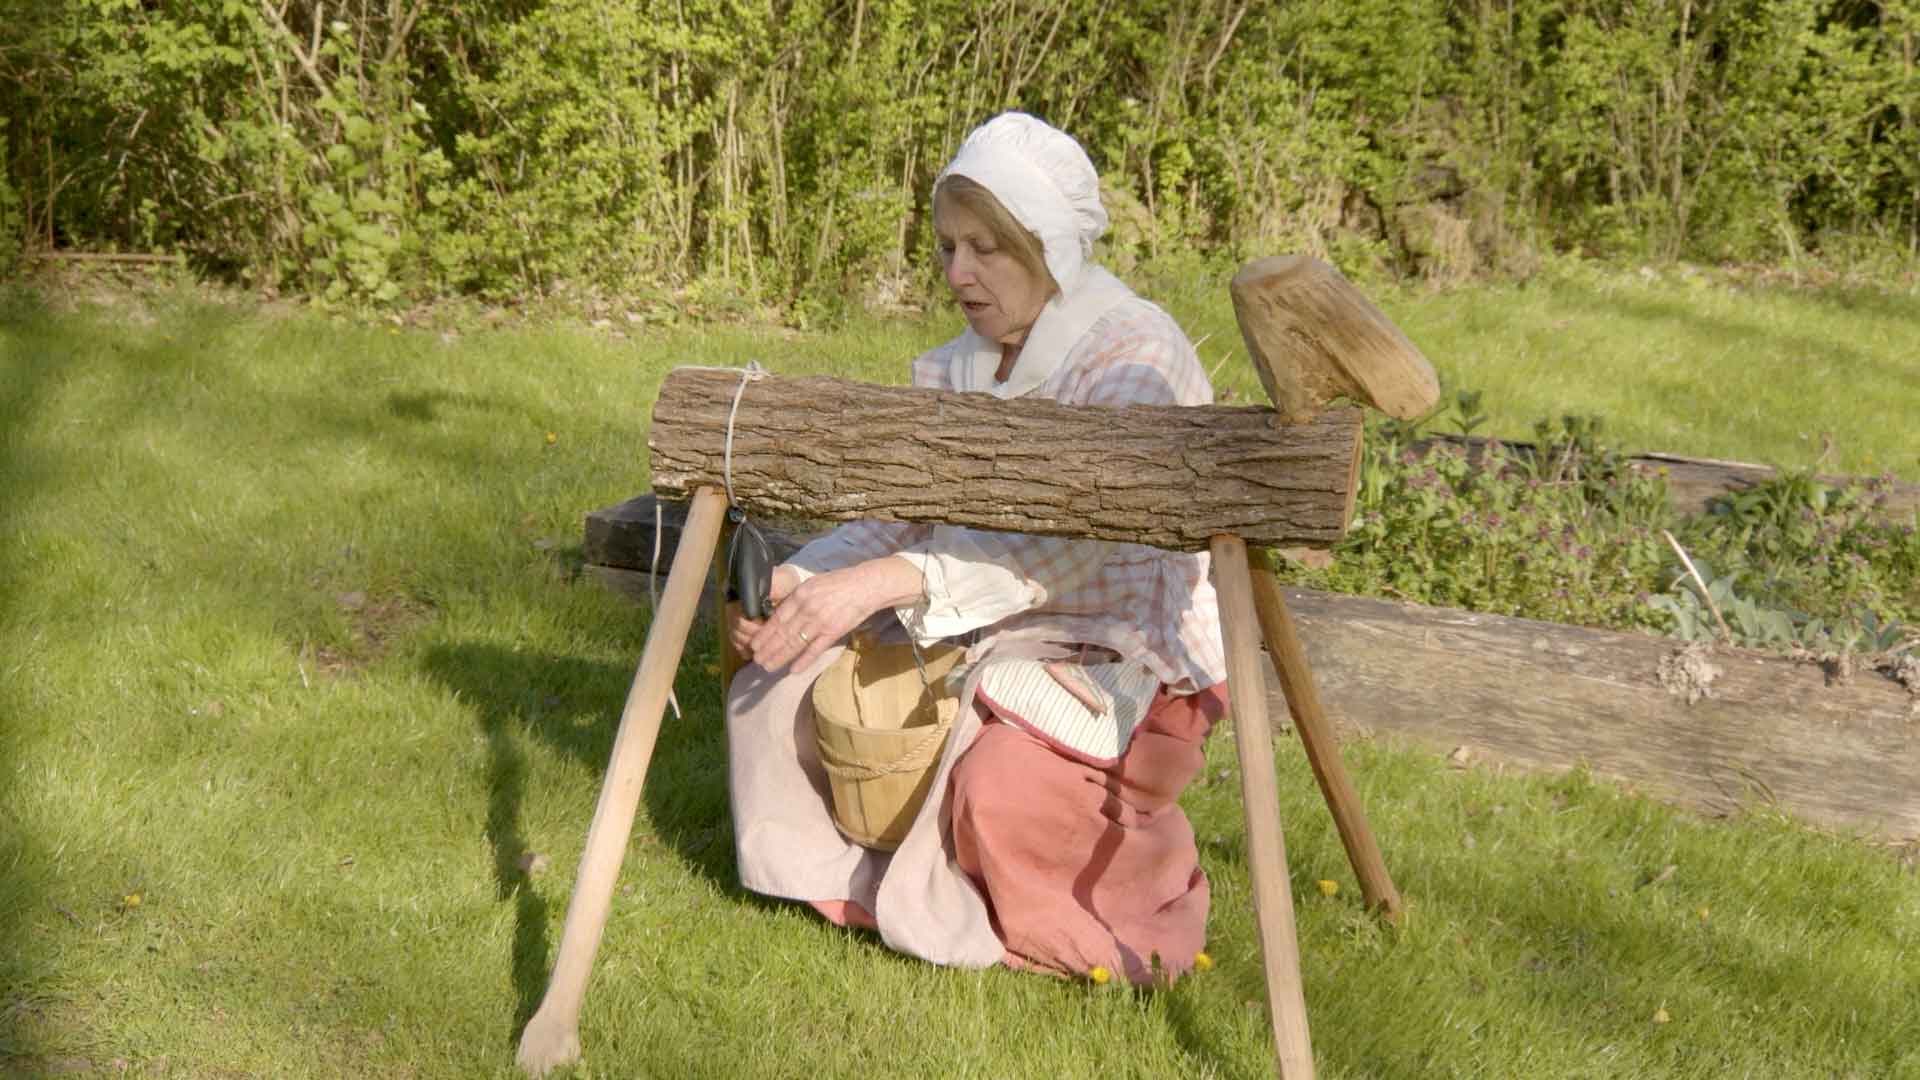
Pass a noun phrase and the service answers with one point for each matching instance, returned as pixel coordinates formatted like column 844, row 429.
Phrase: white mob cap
column 1044, row 179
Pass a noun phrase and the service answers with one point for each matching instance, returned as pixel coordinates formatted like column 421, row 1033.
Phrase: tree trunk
column 1169, row 476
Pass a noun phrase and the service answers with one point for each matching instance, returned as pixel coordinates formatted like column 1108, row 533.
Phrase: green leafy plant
column 11, row 222
column 1718, row 612
column 1502, row 530
column 1571, row 530
column 363, row 153
column 1832, row 551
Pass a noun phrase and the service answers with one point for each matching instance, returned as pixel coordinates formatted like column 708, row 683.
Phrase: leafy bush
column 1565, row 534
column 12, row 225
column 1830, row 560
column 1569, row 530
column 367, row 152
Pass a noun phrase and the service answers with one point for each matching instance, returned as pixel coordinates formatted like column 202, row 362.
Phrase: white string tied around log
column 753, row 372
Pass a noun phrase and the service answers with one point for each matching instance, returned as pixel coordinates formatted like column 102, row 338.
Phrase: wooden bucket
column 880, row 728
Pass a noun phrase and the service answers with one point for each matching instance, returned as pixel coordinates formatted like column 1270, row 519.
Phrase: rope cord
column 914, row 758
column 752, row 372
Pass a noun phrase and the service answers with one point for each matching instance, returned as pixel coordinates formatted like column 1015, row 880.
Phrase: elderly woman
column 1040, row 847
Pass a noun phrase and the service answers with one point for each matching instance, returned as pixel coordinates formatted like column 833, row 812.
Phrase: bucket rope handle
column 912, row 759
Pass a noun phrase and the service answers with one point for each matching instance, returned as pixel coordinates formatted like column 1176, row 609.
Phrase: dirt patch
column 374, row 623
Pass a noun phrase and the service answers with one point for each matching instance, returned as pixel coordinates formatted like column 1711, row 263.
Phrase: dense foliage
column 780, row 150
column 1568, row 530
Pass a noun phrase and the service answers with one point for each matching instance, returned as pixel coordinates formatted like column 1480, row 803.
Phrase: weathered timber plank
column 837, row 450
column 622, row 535
column 1544, row 696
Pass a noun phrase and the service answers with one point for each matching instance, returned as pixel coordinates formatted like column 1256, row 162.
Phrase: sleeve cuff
column 964, row 591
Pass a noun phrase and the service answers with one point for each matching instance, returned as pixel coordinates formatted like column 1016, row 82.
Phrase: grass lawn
column 298, row 675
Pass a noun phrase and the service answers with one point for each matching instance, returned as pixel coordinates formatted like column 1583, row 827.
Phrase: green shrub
column 366, row 153
column 1831, row 558
column 12, row 223
column 1560, row 534
column 1569, row 530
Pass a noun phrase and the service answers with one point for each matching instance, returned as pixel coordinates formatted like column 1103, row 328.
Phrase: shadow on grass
column 1190, row 1033
column 573, row 705
column 425, row 406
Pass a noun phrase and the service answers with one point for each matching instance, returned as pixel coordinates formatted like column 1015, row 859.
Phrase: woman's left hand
column 810, row 618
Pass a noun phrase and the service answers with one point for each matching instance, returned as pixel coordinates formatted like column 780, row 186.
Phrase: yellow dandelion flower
column 1703, row 913
column 1202, row 962
column 713, row 669
column 552, row 437
column 1660, row 1015
column 131, row 900
column 1328, row 888
column 1100, row 976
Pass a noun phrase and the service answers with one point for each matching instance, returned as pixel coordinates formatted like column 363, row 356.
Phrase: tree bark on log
column 1841, row 753
column 1168, row 476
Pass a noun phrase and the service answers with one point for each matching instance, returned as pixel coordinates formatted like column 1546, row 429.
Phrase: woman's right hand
column 809, row 617
column 740, row 629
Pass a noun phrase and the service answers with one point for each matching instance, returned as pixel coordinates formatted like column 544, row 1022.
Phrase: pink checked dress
column 1025, row 855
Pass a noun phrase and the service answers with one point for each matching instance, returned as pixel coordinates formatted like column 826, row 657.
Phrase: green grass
column 1682, row 361
column 294, row 648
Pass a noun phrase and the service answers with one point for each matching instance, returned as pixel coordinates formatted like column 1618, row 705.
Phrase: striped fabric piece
column 1025, row 692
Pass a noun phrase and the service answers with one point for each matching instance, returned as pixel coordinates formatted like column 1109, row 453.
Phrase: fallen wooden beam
column 1760, row 729
column 838, row 450
column 1766, row 729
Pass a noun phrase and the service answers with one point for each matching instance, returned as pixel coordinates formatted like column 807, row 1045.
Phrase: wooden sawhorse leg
column 1317, row 738
column 552, row 1037
column 1260, row 792
column 1250, row 603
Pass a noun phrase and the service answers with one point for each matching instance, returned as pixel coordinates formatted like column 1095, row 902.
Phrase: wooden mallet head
column 1313, row 337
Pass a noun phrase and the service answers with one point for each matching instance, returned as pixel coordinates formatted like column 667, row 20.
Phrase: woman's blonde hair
column 973, row 196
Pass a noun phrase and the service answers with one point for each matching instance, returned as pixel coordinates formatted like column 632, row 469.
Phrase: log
column 1314, row 337
column 1840, row 753
column 838, row 450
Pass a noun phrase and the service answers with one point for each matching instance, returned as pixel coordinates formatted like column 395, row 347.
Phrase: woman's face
column 999, row 296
